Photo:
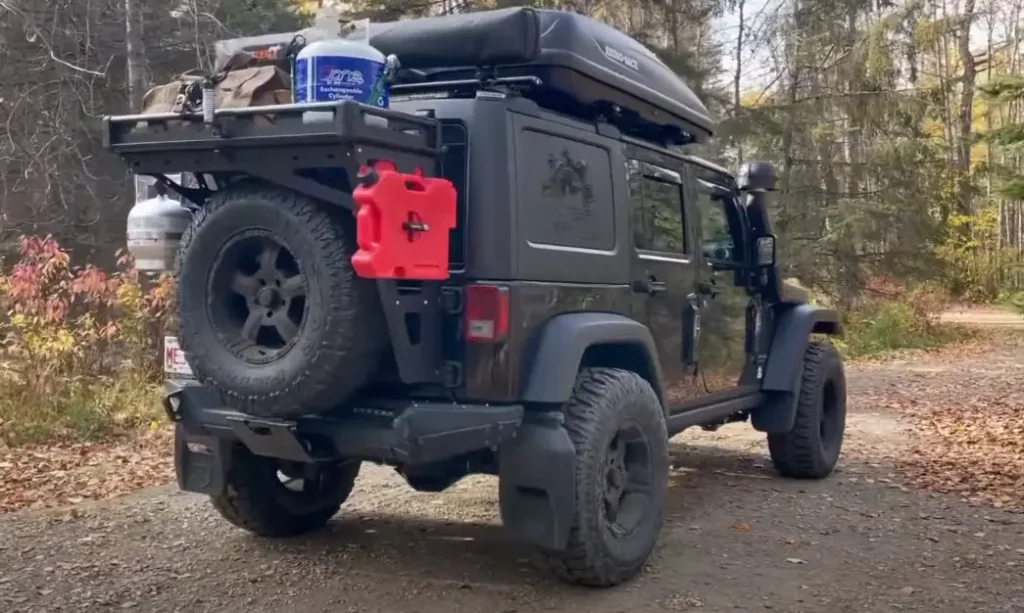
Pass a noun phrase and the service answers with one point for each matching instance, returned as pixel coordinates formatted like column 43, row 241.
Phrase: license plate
column 174, row 359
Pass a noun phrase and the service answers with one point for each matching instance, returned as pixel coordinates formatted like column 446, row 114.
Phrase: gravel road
column 737, row 538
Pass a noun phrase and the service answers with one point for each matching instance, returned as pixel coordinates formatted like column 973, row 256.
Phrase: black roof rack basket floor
column 278, row 143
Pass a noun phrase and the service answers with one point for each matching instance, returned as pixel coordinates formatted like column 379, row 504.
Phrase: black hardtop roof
column 577, row 55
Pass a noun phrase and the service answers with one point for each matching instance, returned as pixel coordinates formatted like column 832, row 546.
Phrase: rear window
column 454, row 167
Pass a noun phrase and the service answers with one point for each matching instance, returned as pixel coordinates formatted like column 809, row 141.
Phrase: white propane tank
column 339, row 69
column 155, row 226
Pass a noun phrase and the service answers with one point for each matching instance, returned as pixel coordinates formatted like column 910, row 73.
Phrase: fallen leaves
column 39, row 476
column 965, row 408
column 974, row 343
column 964, row 403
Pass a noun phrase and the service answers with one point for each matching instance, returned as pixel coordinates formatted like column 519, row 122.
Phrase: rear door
column 664, row 268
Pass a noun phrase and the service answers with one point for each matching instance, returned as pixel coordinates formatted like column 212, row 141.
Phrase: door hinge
column 452, row 297
column 451, row 374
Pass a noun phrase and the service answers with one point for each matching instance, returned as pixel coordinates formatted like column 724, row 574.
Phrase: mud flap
column 201, row 462
column 402, row 224
column 537, row 482
column 776, row 414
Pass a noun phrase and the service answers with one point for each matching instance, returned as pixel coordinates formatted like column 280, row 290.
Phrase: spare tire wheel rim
column 257, row 297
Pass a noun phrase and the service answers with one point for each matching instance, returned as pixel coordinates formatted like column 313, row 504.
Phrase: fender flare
column 552, row 366
column 794, row 326
column 793, row 329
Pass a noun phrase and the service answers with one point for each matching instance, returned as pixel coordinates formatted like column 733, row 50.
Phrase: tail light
column 486, row 313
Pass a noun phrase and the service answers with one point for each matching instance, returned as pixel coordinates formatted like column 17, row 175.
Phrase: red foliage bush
column 81, row 318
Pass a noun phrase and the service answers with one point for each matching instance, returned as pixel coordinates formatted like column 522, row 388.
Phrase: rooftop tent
column 575, row 56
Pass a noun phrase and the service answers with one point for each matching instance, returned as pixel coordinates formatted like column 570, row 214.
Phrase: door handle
column 707, row 289
column 650, row 285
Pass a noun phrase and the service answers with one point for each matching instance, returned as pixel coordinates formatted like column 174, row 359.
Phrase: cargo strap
column 190, row 90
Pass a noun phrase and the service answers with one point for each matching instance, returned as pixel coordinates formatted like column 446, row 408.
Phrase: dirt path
column 737, row 538
column 985, row 317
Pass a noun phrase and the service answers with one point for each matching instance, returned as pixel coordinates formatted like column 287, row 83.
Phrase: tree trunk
column 966, row 115
column 737, row 106
column 138, row 67
column 793, row 63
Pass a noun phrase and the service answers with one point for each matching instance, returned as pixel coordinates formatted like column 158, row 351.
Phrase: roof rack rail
column 482, row 82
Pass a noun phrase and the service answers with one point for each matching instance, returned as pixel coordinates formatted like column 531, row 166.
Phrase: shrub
column 1013, row 299
column 79, row 346
column 890, row 316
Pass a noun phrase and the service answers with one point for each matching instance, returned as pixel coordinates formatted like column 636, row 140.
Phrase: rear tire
column 272, row 315
column 617, row 426
column 259, row 500
column 811, row 449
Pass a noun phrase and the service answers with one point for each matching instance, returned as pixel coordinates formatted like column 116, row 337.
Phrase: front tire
column 811, row 449
column 617, row 427
column 260, row 496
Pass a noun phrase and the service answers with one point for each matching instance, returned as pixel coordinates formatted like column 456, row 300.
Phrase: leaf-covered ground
column 736, row 536
column 41, row 476
column 964, row 405
column 965, row 409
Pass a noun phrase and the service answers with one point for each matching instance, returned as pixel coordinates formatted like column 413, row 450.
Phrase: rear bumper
column 410, row 433
column 536, row 457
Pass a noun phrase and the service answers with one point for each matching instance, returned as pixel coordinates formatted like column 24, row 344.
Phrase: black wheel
column 272, row 315
column 811, row 449
column 617, row 426
column 273, row 498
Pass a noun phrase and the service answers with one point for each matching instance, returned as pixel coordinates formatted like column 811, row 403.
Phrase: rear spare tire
column 272, row 316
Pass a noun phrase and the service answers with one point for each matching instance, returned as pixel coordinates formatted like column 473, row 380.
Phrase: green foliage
column 879, row 65
column 1013, row 299
column 890, row 316
column 80, row 409
column 970, row 268
column 1004, row 89
column 881, row 326
column 1008, row 89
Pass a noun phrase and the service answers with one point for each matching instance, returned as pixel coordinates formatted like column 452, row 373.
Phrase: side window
column 657, row 207
column 716, row 238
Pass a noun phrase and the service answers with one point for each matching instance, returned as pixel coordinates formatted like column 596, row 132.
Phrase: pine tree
column 1009, row 137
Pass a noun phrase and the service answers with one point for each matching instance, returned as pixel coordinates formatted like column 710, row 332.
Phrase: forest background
column 897, row 128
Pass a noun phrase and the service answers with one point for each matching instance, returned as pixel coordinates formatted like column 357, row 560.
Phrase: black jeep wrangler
column 513, row 270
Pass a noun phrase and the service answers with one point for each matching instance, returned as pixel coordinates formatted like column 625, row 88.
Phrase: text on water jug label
column 339, row 78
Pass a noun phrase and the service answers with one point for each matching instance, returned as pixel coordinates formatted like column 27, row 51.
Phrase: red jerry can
column 402, row 225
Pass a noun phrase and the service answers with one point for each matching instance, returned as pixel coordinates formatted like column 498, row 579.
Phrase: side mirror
column 757, row 176
column 764, row 251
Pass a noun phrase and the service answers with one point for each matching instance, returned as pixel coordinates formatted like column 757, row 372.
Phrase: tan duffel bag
column 239, row 85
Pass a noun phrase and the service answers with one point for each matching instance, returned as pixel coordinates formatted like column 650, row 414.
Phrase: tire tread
column 596, row 392
column 797, row 453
